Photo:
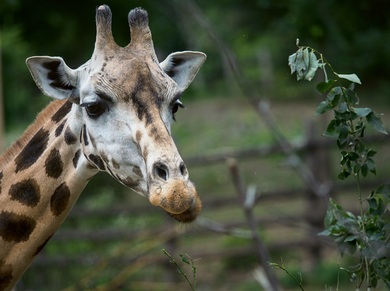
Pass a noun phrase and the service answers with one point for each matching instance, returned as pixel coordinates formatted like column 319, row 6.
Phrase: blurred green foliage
column 260, row 33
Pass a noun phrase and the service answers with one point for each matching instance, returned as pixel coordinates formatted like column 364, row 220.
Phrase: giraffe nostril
column 183, row 169
column 160, row 170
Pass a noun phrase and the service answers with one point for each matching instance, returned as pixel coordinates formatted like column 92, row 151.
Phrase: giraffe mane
column 21, row 142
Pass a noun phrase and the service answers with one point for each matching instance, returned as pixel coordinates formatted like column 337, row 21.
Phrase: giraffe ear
column 182, row 67
column 53, row 76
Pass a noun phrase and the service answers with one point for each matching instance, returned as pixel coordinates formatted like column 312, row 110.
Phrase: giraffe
column 111, row 114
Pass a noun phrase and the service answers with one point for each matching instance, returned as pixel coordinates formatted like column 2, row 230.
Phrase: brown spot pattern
column 60, row 199
column 137, row 171
column 129, row 182
column 70, row 138
column 84, row 135
column 5, row 275
column 26, row 192
column 115, row 164
column 139, row 103
column 53, row 164
column 62, row 112
column 60, row 128
column 97, row 161
column 154, row 133
column 138, row 136
column 32, row 151
column 15, row 227
column 76, row 158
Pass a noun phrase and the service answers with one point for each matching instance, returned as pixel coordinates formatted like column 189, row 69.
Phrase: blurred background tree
column 260, row 32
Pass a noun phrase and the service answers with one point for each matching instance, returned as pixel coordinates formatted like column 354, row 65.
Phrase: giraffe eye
column 175, row 107
column 95, row 109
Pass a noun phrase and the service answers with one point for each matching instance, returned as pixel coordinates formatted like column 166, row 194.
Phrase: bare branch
column 247, row 199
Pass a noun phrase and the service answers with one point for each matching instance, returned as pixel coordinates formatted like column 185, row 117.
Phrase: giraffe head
column 124, row 102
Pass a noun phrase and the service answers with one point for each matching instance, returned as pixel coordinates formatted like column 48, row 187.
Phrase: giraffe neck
column 41, row 177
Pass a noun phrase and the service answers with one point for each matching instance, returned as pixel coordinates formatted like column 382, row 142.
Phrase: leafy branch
column 369, row 232
column 187, row 260
column 283, row 268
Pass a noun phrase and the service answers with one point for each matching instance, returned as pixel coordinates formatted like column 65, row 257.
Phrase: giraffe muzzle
column 178, row 197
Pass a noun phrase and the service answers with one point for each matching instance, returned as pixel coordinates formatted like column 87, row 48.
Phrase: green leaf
column 184, row 259
column 362, row 112
column 343, row 134
column 335, row 91
column 371, row 153
column 342, row 109
column 351, row 97
column 350, row 77
column 325, row 233
column 324, row 87
column 375, row 121
column 360, row 148
column 335, row 101
column 344, row 157
column 306, row 57
column 384, row 189
column 343, row 175
column 371, row 165
column 377, row 207
column 333, row 129
column 323, row 107
column 292, row 62
column 302, row 61
column 364, row 170
column 329, row 219
column 350, row 238
column 353, row 156
column 360, row 128
column 313, row 66
column 298, row 62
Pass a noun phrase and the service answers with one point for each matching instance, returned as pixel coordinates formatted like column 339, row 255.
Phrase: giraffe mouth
column 188, row 215
column 178, row 198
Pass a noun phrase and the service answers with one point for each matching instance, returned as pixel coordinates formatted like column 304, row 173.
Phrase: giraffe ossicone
column 113, row 114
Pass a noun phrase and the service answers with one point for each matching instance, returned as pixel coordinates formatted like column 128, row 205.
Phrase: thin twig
column 247, row 205
column 180, row 270
column 289, row 274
